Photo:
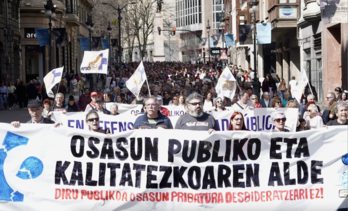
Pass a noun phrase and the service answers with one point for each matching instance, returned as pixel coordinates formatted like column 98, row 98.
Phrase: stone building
column 70, row 14
column 10, row 39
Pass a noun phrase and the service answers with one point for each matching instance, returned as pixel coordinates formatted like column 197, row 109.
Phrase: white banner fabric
column 95, row 62
column 255, row 120
column 46, row 168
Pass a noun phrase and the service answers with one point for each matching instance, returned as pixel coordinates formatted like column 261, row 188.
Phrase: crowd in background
column 171, row 83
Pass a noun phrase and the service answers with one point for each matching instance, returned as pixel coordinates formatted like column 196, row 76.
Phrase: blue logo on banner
column 30, row 168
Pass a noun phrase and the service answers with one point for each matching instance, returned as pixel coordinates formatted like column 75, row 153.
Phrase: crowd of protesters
column 174, row 84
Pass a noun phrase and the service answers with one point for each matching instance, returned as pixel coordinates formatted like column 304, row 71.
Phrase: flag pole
column 148, row 87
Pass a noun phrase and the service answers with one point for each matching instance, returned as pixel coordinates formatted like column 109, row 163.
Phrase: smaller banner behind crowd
column 95, row 62
column 69, row 169
column 255, row 120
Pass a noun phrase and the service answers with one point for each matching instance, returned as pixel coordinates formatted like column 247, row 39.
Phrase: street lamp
column 253, row 9
column 90, row 25
column 208, row 30
column 110, row 49
column 119, row 10
column 49, row 11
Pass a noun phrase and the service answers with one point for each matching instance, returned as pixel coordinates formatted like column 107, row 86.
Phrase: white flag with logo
column 135, row 82
column 226, row 85
column 95, row 62
column 52, row 78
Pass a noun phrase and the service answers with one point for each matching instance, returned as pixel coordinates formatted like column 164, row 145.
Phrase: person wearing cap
column 100, row 107
column 35, row 110
column 92, row 105
column 152, row 118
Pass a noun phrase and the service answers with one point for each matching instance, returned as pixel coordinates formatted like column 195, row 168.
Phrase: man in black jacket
column 35, row 110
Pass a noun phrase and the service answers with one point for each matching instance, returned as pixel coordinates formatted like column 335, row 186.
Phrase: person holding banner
column 196, row 119
column 278, row 119
column 237, row 122
column 341, row 109
column 92, row 120
column 152, row 118
column 35, row 110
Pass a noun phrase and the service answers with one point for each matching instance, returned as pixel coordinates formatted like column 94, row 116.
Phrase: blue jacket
column 163, row 122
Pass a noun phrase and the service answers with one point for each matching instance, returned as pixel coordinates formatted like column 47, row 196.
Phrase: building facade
column 10, row 39
column 71, row 15
column 192, row 17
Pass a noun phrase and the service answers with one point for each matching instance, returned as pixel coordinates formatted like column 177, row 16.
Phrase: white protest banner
column 125, row 108
column 51, row 79
column 255, row 120
column 95, row 62
column 46, row 168
column 175, row 110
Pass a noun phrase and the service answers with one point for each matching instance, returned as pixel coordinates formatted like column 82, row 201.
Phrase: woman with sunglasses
column 237, row 122
column 276, row 102
column 255, row 101
column 175, row 101
column 313, row 120
column 278, row 120
column 219, row 104
column 92, row 120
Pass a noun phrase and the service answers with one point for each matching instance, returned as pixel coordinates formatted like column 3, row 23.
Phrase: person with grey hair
column 330, row 97
column 341, row 109
column 243, row 103
column 313, row 121
column 219, row 104
column 58, row 105
column 196, row 119
column 152, row 118
column 278, row 120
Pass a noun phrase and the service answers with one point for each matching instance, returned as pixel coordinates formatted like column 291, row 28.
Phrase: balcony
column 72, row 19
column 283, row 13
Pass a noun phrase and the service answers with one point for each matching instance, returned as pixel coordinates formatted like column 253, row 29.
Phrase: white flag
column 95, row 62
column 297, row 91
column 135, row 82
column 52, row 78
column 226, row 85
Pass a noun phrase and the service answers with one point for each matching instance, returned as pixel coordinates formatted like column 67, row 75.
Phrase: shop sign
column 29, row 33
column 287, row 11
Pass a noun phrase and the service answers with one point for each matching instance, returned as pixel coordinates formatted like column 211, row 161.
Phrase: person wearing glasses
column 313, row 120
column 152, row 118
column 237, row 122
column 219, row 104
column 92, row 120
column 278, row 120
column 35, row 110
column 255, row 101
column 175, row 101
column 196, row 119
column 244, row 102
column 276, row 102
